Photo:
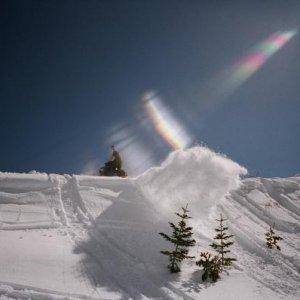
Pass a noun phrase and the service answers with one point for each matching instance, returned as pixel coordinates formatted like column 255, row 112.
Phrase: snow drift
column 92, row 237
column 197, row 176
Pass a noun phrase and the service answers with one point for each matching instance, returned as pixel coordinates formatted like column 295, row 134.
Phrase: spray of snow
column 91, row 167
column 197, row 176
column 136, row 155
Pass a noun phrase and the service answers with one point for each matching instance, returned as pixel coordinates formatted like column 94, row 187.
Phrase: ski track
column 111, row 222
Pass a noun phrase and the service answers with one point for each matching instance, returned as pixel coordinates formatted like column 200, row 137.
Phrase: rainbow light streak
column 165, row 123
column 249, row 64
column 216, row 90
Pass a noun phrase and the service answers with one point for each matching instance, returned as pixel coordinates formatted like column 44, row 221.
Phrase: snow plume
column 91, row 167
column 197, row 176
column 136, row 155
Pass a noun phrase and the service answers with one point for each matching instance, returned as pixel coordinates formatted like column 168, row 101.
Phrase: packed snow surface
column 86, row 237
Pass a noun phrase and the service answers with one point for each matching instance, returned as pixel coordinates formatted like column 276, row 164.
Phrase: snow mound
column 197, row 176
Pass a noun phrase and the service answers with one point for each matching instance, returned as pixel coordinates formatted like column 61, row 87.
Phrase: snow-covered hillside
column 85, row 237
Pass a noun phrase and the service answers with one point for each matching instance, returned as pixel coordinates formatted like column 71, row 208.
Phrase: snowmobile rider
column 115, row 161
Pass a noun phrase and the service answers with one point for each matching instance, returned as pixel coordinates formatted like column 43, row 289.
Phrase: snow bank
column 14, row 182
column 251, row 209
column 29, row 201
column 197, row 176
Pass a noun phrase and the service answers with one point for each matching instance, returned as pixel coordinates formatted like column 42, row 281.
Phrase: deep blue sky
column 72, row 70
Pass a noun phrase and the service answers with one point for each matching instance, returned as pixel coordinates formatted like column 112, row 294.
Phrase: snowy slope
column 85, row 237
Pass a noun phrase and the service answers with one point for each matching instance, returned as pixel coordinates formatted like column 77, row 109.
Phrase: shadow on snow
column 122, row 252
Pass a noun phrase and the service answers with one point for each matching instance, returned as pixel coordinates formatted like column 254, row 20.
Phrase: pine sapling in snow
column 223, row 242
column 181, row 238
column 272, row 238
column 211, row 266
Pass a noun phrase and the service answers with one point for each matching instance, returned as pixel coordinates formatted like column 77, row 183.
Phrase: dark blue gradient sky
column 72, row 70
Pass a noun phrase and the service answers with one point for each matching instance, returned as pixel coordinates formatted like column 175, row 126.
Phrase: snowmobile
column 114, row 166
column 108, row 170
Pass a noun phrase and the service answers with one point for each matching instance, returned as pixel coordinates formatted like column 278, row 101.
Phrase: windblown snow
column 87, row 237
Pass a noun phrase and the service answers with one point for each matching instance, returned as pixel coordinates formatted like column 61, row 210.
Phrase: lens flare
column 164, row 122
column 251, row 63
column 226, row 82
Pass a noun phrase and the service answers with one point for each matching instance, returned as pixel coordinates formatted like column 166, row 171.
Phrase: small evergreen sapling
column 181, row 238
column 272, row 238
column 224, row 242
column 211, row 266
